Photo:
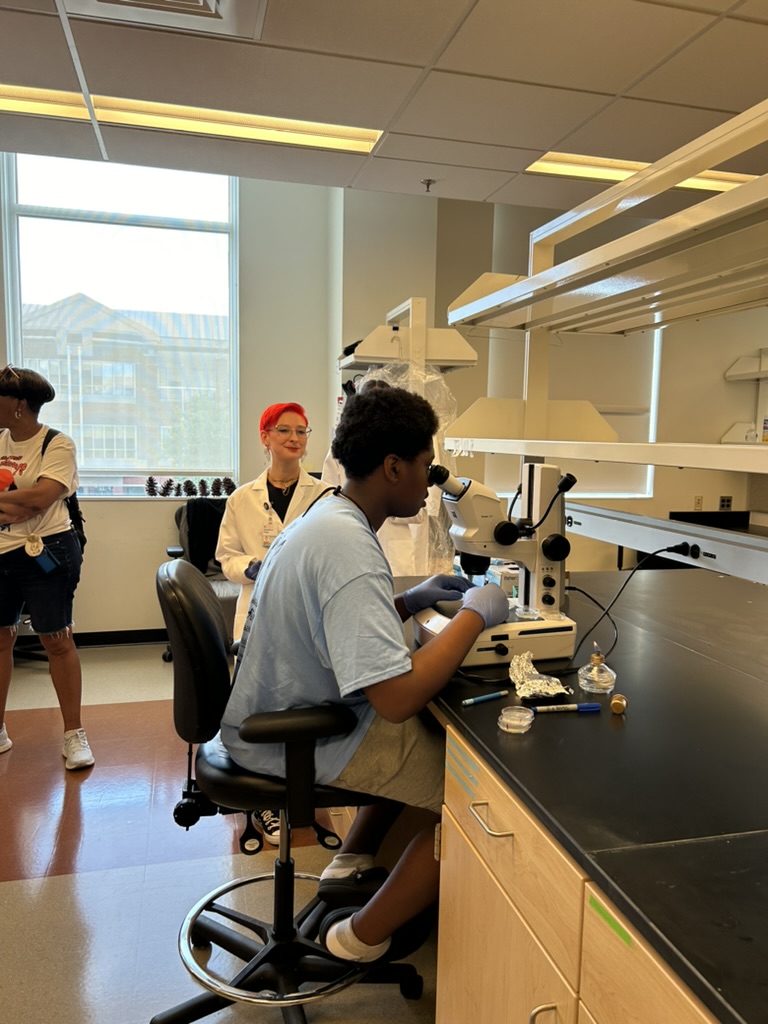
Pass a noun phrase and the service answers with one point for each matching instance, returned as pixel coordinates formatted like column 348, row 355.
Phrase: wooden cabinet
column 341, row 819
column 623, row 979
column 543, row 882
column 490, row 965
column 524, row 936
column 585, row 1017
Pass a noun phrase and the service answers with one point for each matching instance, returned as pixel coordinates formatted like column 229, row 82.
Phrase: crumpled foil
column 530, row 684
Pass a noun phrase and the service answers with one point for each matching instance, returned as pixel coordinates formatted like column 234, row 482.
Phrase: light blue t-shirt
column 321, row 626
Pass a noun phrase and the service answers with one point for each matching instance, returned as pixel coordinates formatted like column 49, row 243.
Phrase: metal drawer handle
column 545, row 1008
column 482, row 824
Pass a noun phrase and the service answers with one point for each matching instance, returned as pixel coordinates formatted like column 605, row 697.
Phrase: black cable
column 512, row 503
column 605, row 612
column 681, row 549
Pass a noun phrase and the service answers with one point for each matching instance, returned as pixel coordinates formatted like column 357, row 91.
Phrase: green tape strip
column 611, row 921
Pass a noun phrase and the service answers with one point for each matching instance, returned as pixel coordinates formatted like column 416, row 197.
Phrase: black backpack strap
column 50, row 434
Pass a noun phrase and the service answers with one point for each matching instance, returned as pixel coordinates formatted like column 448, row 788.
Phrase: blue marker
column 485, row 696
column 566, row 707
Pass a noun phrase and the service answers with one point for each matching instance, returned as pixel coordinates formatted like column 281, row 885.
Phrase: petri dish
column 515, row 719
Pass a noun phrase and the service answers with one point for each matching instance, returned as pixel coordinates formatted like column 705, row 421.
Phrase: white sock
column 342, row 942
column 345, row 865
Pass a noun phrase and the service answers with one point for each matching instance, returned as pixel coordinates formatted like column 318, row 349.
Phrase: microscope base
column 546, row 639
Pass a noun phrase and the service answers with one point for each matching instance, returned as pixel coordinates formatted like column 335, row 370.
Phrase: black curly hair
column 18, row 382
column 380, row 422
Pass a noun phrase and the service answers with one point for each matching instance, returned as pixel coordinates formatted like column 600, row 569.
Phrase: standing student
column 326, row 626
column 256, row 513
column 40, row 555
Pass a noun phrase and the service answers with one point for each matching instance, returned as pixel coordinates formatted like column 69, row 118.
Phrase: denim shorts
column 46, row 596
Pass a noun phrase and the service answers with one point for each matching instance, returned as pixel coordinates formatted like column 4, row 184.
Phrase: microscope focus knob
column 556, row 547
column 547, row 599
column 505, row 533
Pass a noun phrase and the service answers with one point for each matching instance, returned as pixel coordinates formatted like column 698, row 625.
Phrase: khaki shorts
column 404, row 761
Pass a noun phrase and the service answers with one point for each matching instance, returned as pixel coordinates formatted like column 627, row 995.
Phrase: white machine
column 481, row 529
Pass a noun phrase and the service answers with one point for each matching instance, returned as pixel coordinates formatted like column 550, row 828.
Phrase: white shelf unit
column 710, row 259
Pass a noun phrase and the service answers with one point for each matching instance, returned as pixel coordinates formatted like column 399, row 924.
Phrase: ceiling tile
column 399, row 31
column 383, row 175
column 632, row 129
column 34, row 52
column 486, row 110
column 246, row 77
column 755, row 10
column 466, row 154
column 228, row 156
column 44, row 136
column 47, row 6
column 725, row 69
column 576, row 45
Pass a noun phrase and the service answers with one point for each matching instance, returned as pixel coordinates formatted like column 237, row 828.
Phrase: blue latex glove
column 437, row 588
column 490, row 602
column 253, row 570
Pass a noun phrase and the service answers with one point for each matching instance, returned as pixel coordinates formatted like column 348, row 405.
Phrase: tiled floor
column 95, row 876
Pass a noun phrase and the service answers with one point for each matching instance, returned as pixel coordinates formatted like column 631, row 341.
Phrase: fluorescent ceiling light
column 595, row 168
column 194, row 120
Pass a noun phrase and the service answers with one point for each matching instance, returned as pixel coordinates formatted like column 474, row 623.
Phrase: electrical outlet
column 726, row 502
column 698, row 503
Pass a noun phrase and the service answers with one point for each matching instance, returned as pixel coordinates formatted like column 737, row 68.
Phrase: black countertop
column 664, row 807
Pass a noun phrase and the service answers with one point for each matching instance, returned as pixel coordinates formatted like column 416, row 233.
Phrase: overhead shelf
column 711, row 258
column 444, row 348
column 737, row 458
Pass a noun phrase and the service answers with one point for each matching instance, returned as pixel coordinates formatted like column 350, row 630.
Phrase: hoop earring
column 17, row 413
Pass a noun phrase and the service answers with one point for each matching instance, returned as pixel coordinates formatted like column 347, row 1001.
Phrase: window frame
column 11, row 211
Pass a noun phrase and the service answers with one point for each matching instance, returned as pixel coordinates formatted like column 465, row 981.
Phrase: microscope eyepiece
column 437, row 475
column 440, row 477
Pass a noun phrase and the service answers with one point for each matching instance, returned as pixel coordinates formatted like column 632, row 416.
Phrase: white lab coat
column 248, row 526
column 405, row 541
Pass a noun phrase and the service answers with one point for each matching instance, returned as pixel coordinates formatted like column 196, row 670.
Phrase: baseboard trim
column 111, row 638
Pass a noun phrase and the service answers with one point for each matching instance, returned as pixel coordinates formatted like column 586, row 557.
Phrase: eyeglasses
column 300, row 432
column 9, row 369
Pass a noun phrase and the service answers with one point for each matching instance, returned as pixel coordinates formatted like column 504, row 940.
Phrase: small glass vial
column 596, row 677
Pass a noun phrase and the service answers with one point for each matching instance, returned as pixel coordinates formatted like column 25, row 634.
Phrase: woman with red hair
column 257, row 512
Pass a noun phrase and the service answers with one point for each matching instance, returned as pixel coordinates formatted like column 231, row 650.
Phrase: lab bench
column 648, row 830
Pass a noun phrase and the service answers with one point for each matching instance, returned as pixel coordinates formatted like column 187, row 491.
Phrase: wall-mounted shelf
column 405, row 338
column 712, row 258
column 737, row 458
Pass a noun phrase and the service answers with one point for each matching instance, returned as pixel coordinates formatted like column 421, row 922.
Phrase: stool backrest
column 197, row 635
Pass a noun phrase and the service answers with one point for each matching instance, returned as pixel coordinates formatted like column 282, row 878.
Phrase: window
column 120, row 290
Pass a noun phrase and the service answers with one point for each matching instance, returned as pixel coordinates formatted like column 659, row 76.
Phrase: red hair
column 272, row 414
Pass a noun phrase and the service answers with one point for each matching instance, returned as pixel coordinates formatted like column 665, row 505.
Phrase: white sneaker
column 270, row 826
column 5, row 743
column 76, row 749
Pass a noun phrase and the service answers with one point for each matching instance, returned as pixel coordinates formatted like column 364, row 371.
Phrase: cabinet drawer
column 490, row 966
column 623, row 979
column 539, row 877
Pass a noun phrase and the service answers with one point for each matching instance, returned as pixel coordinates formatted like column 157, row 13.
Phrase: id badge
column 35, row 548
column 269, row 532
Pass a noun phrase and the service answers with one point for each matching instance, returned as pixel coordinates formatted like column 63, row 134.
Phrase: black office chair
column 198, row 521
column 284, row 965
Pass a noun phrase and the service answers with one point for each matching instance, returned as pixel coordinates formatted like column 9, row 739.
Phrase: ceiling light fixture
column 193, row 120
column 595, row 168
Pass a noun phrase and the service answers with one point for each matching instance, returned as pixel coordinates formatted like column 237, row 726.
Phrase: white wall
column 321, row 267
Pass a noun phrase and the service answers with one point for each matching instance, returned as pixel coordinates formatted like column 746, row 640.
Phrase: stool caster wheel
column 167, row 655
column 412, row 988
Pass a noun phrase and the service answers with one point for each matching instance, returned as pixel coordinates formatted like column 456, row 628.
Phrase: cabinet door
column 490, row 967
column 623, row 979
column 545, row 885
column 585, row 1017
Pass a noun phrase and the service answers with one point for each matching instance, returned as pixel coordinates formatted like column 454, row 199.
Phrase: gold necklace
column 282, row 485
